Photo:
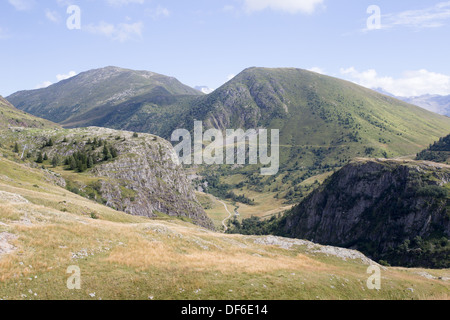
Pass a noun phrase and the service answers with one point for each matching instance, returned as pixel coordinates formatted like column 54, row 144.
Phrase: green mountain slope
column 316, row 110
column 70, row 102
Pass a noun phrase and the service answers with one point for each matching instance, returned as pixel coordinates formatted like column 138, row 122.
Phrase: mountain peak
column 101, row 89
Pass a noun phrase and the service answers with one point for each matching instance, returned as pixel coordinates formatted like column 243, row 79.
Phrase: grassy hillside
column 321, row 113
column 10, row 117
column 44, row 229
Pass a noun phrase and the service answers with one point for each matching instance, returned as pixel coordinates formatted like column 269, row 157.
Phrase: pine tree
column 16, row 148
column 45, row 157
column 106, row 152
column 114, row 152
column 72, row 163
column 55, row 161
column 83, row 158
column 90, row 162
column 81, row 167
column 39, row 158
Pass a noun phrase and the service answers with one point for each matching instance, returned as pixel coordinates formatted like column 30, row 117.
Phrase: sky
column 401, row 47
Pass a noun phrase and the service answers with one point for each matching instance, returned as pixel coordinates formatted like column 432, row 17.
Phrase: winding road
column 230, row 214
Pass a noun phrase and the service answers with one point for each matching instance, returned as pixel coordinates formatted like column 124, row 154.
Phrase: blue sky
column 205, row 42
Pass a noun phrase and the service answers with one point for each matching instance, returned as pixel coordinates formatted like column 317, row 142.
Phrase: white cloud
column 53, row 16
column 317, row 70
column 44, row 84
column 204, row 89
column 22, row 5
column 431, row 17
column 59, row 77
column 290, row 6
column 412, row 83
column 207, row 90
column 230, row 76
column 121, row 32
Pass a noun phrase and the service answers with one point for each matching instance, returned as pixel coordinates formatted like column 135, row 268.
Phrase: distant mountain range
column 435, row 103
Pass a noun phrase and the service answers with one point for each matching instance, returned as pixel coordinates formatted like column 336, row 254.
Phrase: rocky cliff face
column 147, row 179
column 392, row 210
column 247, row 102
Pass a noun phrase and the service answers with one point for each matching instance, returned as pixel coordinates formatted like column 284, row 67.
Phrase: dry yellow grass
column 9, row 213
column 145, row 254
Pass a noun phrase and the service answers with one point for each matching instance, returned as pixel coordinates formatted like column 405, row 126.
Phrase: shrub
column 433, row 191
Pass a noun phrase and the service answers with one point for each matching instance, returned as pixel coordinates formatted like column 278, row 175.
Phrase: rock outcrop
column 146, row 179
column 397, row 211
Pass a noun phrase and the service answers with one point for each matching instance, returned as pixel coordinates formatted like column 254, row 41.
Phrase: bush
column 94, row 215
column 384, row 263
column 433, row 191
